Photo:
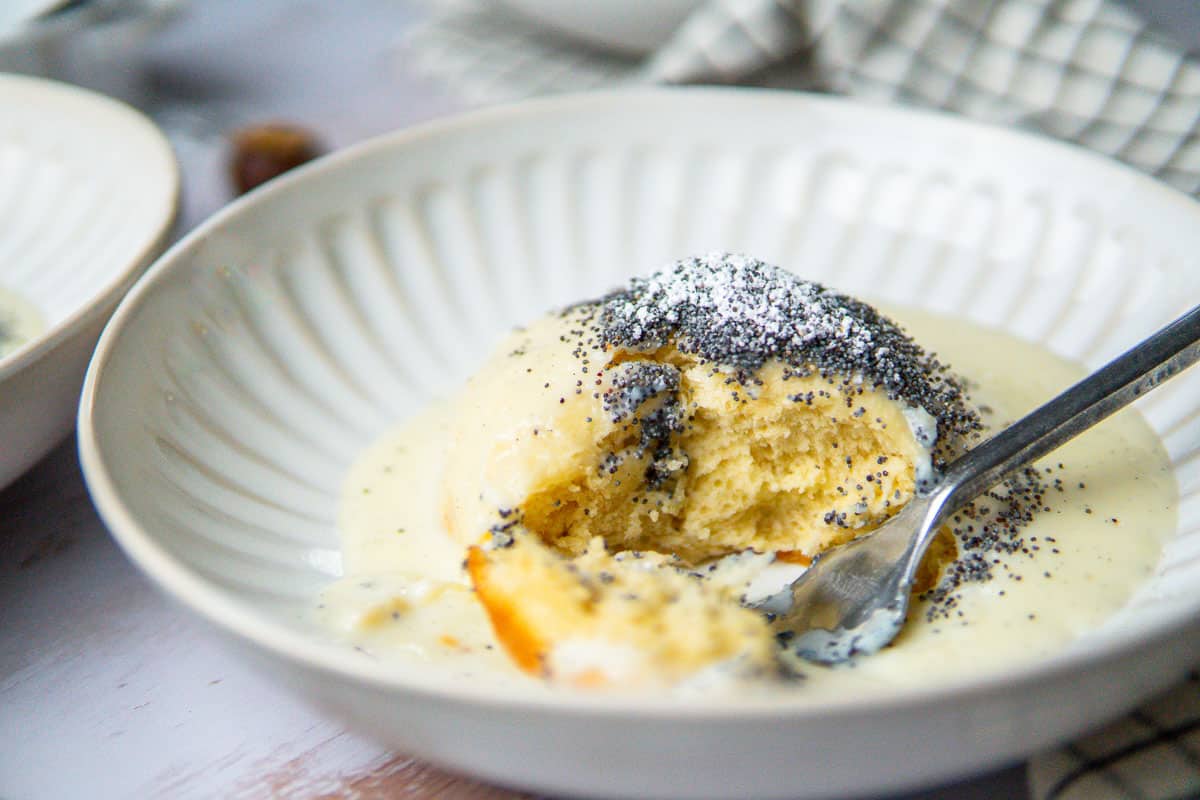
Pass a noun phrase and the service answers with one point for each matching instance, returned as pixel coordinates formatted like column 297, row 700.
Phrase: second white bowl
column 88, row 191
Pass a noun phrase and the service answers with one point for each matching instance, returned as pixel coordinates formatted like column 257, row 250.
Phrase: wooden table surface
column 107, row 689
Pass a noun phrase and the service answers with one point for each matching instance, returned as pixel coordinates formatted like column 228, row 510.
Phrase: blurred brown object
column 261, row 152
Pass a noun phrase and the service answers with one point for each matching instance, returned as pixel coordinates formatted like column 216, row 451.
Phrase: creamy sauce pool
column 405, row 595
column 19, row 322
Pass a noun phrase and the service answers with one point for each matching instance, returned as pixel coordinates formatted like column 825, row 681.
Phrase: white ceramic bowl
column 88, row 191
column 239, row 380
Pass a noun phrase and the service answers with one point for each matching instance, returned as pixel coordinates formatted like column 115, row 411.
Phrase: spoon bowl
column 856, row 600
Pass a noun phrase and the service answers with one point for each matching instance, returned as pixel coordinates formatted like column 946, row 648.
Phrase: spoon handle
column 1116, row 385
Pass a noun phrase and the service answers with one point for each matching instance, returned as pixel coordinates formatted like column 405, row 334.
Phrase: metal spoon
column 853, row 599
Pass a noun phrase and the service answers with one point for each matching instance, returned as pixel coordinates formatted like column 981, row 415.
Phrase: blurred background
column 342, row 72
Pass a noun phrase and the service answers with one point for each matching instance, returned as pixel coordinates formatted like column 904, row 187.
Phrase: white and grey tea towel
column 1088, row 71
column 1153, row 753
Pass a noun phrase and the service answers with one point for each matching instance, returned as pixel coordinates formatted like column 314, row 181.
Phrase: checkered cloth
column 1088, row 71
column 1153, row 753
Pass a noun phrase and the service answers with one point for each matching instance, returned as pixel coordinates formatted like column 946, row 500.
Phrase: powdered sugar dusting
column 738, row 312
